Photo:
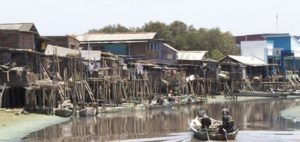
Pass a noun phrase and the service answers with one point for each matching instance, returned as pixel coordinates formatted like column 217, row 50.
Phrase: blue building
column 131, row 45
column 282, row 49
column 286, row 52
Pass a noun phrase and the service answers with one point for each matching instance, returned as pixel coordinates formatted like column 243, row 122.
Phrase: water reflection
column 252, row 115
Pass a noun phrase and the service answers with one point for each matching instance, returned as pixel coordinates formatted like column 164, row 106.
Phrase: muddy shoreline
column 14, row 127
column 291, row 113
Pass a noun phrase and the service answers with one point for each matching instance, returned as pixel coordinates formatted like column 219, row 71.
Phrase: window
column 152, row 46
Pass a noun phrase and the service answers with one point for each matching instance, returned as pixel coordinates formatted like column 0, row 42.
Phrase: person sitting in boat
column 205, row 121
column 228, row 122
column 159, row 101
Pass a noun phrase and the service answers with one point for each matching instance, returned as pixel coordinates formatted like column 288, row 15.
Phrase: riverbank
column 14, row 127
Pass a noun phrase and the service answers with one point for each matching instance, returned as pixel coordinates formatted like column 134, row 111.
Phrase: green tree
column 184, row 37
column 160, row 28
column 216, row 54
column 111, row 29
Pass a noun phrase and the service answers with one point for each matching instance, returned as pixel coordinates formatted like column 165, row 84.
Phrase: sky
column 240, row 17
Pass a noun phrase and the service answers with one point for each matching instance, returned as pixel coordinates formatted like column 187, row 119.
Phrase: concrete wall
column 259, row 49
column 295, row 46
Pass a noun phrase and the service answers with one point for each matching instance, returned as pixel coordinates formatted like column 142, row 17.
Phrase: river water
column 257, row 121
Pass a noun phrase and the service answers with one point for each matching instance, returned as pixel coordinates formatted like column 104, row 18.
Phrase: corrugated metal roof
column 63, row 52
column 117, row 41
column 116, row 36
column 191, row 55
column 169, row 46
column 248, row 60
column 26, row 27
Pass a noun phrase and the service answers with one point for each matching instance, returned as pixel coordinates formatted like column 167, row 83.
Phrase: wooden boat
column 161, row 104
column 210, row 133
column 88, row 112
column 63, row 112
column 165, row 105
column 213, row 134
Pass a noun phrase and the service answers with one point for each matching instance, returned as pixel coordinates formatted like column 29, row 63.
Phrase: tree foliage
column 216, row 54
column 111, row 29
column 184, row 37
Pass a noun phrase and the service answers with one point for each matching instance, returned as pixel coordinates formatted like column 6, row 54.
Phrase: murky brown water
column 172, row 125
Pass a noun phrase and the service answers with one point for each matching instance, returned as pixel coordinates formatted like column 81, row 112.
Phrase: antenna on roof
column 277, row 22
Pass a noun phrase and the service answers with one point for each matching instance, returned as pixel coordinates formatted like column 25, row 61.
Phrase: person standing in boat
column 228, row 122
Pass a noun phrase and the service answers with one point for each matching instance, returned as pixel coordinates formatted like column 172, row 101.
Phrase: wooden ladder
column 89, row 90
column 61, row 92
column 2, row 90
column 248, row 84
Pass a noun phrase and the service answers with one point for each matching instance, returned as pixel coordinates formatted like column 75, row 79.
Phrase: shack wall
column 138, row 49
column 9, row 38
column 26, row 41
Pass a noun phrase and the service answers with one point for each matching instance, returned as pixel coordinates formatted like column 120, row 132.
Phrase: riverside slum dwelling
column 149, row 68
column 21, row 70
column 74, row 71
column 70, row 69
column 201, row 73
column 250, row 75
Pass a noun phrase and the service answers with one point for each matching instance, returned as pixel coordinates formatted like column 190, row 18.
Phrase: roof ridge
column 15, row 23
column 98, row 33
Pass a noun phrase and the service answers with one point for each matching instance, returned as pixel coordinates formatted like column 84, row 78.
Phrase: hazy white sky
column 61, row 17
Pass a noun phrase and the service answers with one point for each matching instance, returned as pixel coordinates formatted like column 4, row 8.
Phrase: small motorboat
column 164, row 105
column 161, row 103
column 211, row 133
column 63, row 112
column 88, row 112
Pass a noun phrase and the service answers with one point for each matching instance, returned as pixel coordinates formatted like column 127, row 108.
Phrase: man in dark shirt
column 228, row 122
column 205, row 121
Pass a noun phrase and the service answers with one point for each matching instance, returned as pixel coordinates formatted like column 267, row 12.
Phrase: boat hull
column 213, row 133
column 202, row 135
column 87, row 112
column 63, row 112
